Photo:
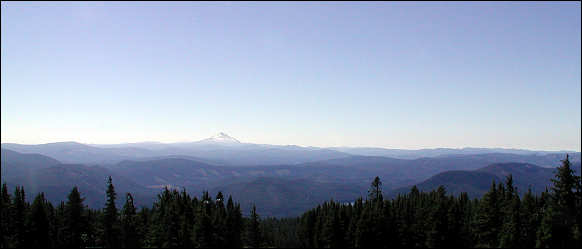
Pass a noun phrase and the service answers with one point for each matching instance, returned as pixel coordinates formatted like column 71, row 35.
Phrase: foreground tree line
column 501, row 218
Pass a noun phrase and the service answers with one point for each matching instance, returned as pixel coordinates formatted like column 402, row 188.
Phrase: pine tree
column 59, row 226
column 19, row 210
column 129, row 224
column 219, row 222
column 110, row 219
column 233, row 224
column 546, row 234
column 6, row 218
column 388, row 224
column 456, row 236
column 529, row 218
column 564, row 204
column 144, row 222
column 186, row 220
column 171, row 225
column 94, row 228
column 156, row 229
column 74, row 222
column 202, row 232
column 510, row 234
column 306, row 230
column 563, row 189
column 488, row 219
column 38, row 223
column 331, row 235
column 511, row 229
column 51, row 216
column 364, row 234
column 375, row 191
column 165, row 225
column 437, row 222
column 467, row 210
column 253, row 230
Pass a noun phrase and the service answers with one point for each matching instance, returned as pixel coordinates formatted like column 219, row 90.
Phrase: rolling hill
column 284, row 189
column 39, row 173
column 477, row 182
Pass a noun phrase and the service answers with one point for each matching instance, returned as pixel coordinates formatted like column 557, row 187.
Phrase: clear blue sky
column 393, row 75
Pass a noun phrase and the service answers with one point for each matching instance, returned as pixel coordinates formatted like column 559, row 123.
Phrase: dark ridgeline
column 501, row 218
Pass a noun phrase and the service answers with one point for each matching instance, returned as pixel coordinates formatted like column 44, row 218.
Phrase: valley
column 283, row 181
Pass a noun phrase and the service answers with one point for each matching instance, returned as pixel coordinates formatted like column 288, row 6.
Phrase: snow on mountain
column 221, row 138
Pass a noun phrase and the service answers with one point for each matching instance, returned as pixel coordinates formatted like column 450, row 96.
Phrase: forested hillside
column 501, row 218
column 277, row 190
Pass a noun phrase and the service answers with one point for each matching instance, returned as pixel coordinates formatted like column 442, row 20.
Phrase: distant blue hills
column 222, row 149
column 285, row 180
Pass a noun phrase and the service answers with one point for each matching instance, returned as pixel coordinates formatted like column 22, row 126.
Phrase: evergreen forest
column 504, row 217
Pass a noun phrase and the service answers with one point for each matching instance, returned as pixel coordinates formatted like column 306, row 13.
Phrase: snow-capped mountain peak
column 221, row 138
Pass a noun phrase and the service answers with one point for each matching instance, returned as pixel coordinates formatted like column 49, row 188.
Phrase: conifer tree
column 38, row 223
column 144, row 221
column 19, row 210
column 93, row 229
column 437, row 222
column 110, row 218
column 364, row 233
column 59, row 226
column 186, row 220
column 306, row 230
column 391, row 235
column 510, row 232
column 219, row 221
column 563, row 189
column 530, row 220
column 6, row 218
column 202, row 232
column 488, row 219
column 546, row 234
column 253, row 230
column 157, row 229
column 233, row 224
column 456, row 236
column 331, row 235
column 74, row 223
column 129, row 224
column 564, row 204
column 375, row 191
column 171, row 225
column 51, row 217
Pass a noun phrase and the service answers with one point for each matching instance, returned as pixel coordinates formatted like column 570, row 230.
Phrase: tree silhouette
column 110, row 218
column 375, row 191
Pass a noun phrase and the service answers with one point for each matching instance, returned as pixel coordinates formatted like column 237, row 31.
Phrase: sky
column 375, row 74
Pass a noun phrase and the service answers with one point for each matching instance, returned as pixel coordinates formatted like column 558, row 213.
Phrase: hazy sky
column 394, row 75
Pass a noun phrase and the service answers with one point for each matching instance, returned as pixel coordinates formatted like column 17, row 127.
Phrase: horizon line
column 308, row 146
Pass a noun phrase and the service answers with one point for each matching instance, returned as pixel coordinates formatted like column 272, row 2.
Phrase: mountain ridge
column 226, row 150
column 477, row 182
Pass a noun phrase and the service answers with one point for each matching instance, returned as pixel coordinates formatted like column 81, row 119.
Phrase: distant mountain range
column 284, row 180
column 221, row 148
column 225, row 150
column 414, row 154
